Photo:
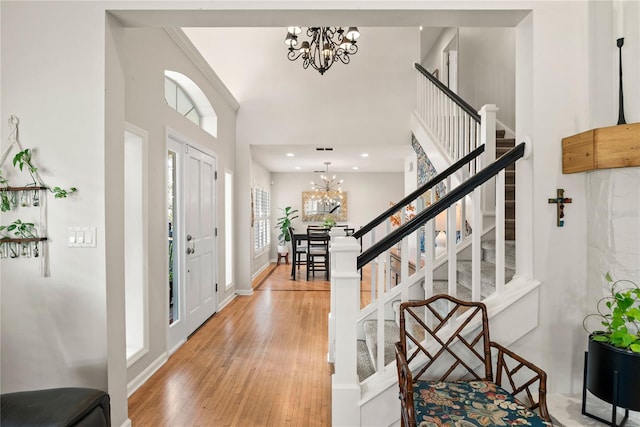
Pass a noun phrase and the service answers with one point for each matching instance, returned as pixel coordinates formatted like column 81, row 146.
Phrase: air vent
column 324, row 148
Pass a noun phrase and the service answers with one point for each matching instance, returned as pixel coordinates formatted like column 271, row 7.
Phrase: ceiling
column 345, row 156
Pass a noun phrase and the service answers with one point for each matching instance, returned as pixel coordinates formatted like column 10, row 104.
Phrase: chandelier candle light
column 326, row 46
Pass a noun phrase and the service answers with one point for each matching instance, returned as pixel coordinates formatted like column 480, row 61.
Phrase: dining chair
column 317, row 251
column 299, row 249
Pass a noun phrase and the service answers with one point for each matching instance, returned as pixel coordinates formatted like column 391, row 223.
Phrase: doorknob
column 189, row 237
column 190, row 251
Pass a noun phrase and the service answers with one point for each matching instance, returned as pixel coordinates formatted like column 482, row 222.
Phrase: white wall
column 554, row 105
column 368, row 194
column 147, row 53
column 614, row 230
column 54, row 329
column 433, row 60
column 486, row 69
column 613, row 195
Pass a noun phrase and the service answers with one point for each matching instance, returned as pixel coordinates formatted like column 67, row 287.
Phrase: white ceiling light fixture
column 329, row 183
column 326, row 46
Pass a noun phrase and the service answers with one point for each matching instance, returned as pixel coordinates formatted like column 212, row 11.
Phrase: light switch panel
column 82, row 237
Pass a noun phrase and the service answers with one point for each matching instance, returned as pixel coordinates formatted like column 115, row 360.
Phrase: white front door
column 191, row 207
column 200, row 237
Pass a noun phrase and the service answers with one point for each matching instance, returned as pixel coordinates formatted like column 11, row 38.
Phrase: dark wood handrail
column 414, row 195
column 454, row 97
column 432, row 211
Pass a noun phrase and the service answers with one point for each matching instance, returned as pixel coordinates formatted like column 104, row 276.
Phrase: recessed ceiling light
column 355, row 168
column 290, row 154
column 297, row 168
column 364, row 155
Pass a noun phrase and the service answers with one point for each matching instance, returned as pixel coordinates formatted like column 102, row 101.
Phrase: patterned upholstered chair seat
column 469, row 404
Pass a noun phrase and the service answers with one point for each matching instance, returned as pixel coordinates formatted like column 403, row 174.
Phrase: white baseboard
column 127, row 423
column 177, row 346
column 263, row 268
column 244, row 292
column 146, row 374
column 227, row 300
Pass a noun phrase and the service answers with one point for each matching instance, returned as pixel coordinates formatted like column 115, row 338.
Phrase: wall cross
column 560, row 201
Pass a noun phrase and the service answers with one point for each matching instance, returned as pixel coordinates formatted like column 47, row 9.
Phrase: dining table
column 295, row 240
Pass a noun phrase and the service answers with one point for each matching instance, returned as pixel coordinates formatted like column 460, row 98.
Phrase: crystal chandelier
column 326, row 46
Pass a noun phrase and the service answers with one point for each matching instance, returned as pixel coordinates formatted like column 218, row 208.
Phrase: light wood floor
column 261, row 361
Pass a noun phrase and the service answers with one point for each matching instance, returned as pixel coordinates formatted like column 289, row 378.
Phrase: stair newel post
column 345, row 307
column 333, row 233
column 488, row 138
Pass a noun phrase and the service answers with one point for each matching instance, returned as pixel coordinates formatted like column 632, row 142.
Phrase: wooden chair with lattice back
column 445, row 371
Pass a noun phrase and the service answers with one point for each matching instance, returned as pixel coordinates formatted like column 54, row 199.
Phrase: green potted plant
column 614, row 350
column 284, row 225
column 329, row 221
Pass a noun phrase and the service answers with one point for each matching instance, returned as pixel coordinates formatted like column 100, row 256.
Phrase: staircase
column 367, row 347
column 364, row 382
column 502, row 146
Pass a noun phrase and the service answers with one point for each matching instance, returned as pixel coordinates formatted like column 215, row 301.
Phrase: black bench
column 57, row 407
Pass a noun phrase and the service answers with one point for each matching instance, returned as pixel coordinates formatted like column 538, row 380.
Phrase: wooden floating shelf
column 24, row 240
column 21, row 188
column 602, row 148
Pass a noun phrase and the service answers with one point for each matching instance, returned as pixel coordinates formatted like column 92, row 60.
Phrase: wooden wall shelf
column 602, row 148
column 22, row 188
column 22, row 240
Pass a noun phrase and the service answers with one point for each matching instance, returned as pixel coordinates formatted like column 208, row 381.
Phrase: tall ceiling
column 245, row 48
column 353, row 109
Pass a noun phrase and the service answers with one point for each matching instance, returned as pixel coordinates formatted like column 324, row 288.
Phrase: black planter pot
column 602, row 362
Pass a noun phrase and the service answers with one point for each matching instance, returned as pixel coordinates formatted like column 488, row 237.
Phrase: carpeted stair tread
column 391, row 336
column 487, row 276
column 489, row 252
column 365, row 366
column 442, row 287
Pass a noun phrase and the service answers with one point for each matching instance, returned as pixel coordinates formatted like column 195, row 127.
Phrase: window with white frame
column 178, row 99
column 185, row 96
column 228, row 230
column 262, row 219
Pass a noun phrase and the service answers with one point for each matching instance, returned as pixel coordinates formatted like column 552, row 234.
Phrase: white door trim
column 177, row 332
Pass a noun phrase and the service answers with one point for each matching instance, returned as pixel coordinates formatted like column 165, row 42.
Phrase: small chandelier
column 328, row 183
column 327, row 45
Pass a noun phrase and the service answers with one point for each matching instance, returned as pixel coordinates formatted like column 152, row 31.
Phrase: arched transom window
column 177, row 98
column 185, row 96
